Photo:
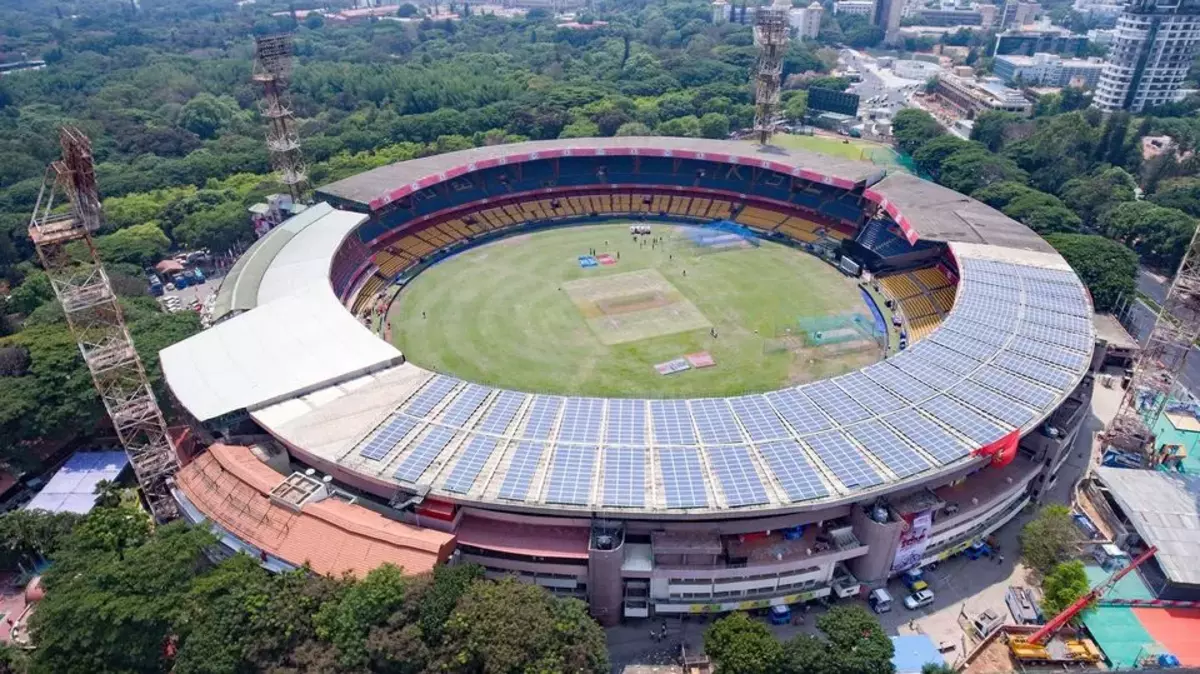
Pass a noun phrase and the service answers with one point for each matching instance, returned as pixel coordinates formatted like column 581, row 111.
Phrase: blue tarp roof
column 913, row 653
column 73, row 487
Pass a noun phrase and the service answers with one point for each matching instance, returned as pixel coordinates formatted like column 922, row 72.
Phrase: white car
column 918, row 599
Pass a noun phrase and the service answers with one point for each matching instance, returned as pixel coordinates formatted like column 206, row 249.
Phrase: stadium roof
column 297, row 337
column 232, row 488
column 378, row 187
column 73, row 487
column 1164, row 508
column 1015, row 344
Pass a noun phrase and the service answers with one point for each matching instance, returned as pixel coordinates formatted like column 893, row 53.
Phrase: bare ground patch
column 633, row 306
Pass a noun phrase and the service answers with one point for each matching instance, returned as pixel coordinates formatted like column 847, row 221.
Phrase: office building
column 887, row 16
column 1048, row 70
column 987, row 16
column 1050, row 41
column 1154, row 46
column 971, row 97
column 720, row 12
column 950, row 17
column 806, row 21
column 855, row 8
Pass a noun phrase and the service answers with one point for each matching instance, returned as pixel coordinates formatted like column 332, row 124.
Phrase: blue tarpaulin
column 73, row 487
column 913, row 653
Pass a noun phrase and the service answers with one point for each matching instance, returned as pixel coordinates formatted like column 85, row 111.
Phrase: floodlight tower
column 771, row 31
column 64, row 245
column 273, row 72
column 1162, row 359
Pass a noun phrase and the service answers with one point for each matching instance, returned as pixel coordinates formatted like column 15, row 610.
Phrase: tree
column 857, row 641
column 974, row 167
column 205, row 114
column 1041, row 212
column 141, row 245
column 581, row 128
column 1059, row 149
column 990, row 128
column 740, row 645
column 998, row 195
column 1180, row 193
column 1052, row 537
column 1094, row 195
column 346, row 621
column 796, row 107
column 1063, row 586
column 687, row 126
column 805, row 654
column 714, row 125
column 407, row 10
column 216, row 228
column 314, row 21
column 930, row 156
column 1159, row 235
column 1109, row 270
column 510, row 627
column 937, row 668
column 634, row 129
column 912, row 128
column 33, row 292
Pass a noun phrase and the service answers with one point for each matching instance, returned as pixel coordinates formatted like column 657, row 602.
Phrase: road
column 961, row 585
column 876, row 83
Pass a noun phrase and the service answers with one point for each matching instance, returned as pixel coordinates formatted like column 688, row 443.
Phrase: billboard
column 828, row 100
column 913, row 541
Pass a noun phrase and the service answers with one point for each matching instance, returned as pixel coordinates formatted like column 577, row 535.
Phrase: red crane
column 1056, row 623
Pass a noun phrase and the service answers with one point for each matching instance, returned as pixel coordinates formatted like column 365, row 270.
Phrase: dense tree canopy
column 1159, row 235
column 1063, row 586
column 1107, row 268
column 913, row 128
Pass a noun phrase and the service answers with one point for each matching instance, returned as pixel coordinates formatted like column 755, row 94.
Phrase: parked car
column 918, row 599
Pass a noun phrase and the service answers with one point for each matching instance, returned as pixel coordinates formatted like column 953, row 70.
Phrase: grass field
column 521, row 313
column 849, row 148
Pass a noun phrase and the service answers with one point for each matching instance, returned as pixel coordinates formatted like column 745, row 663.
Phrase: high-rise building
column 1155, row 44
column 806, row 21
column 887, row 16
column 720, row 12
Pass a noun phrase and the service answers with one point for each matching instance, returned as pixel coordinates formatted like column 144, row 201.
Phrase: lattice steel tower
column 64, row 244
column 771, row 30
column 273, row 71
column 1158, row 366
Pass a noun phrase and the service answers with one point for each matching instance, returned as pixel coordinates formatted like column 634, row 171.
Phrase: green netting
column 1129, row 587
column 1118, row 633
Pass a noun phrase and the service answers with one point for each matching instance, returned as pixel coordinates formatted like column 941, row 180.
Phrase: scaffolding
column 771, row 32
column 1156, row 371
column 93, row 311
column 273, row 72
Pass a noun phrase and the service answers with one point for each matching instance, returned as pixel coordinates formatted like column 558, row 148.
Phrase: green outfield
column 521, row 313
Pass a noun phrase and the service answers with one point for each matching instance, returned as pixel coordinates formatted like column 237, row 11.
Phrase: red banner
column 1002, row 451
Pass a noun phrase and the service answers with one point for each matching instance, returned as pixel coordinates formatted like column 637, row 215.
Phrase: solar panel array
column 1017, row 340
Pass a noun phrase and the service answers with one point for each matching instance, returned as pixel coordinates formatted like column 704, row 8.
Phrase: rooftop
column 231, row 487
column 73, row 487
column 1164, row 508
column 1110, row 331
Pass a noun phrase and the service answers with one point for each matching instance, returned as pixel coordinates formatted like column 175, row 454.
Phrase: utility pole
column 273, row 72
column 771, row 36
column 64, row 245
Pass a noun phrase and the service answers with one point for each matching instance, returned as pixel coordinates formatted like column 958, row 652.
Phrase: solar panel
column 1044, row 333
column 571, row 475
column 996, row 335
column 417, row 461
column 983, row 398
column 1047, row 275
column 1070, row 291
column 795, row 474
column 989, row 267
column 984, row 309
column 1005, row 293
column 868, row 393
column 758, row 418
column 960, row 418
column 463, row 406
column 683, row 478
column 844, row 459
column 967, row 346
column 671, row 422
column 734, row 470
column 924, row 370
column 521, row 469
column 1011, row 385
column 581, row 421
column 470, row 463
column 388, row 437
column 798, row 410
column 889, row 448
column 1060, row 305
column 626, row 422
column 947, row 359
column 715, row 422
column 503, row 410
column 542, row 415
column 1035, row 370
column 624, row 477
column 1055, row 355
column 1057, row 320
column 835, row 402
column 930, row 437
column 898, row 382
column 434, row 391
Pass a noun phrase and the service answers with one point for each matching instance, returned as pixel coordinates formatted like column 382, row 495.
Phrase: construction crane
column 1034, row 648
column 93, row 312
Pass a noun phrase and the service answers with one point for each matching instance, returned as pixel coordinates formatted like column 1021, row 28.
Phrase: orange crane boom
column 1056, row 623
